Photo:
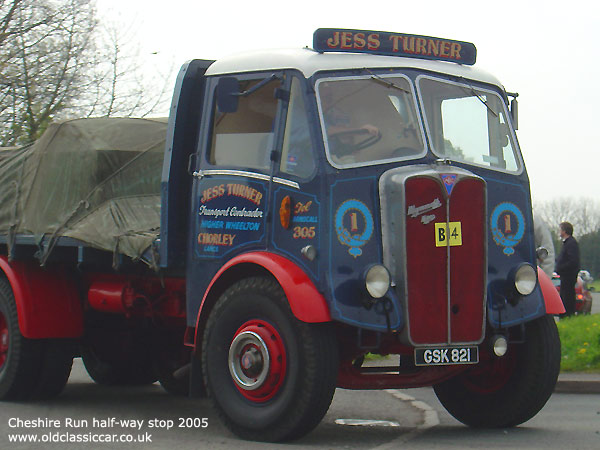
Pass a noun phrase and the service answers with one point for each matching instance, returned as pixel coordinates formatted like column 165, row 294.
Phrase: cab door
column 233, row 177
column 298, row 225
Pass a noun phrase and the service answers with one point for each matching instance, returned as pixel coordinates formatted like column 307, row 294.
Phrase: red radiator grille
column 467, row 277
column 426, row 266
column 445, row 303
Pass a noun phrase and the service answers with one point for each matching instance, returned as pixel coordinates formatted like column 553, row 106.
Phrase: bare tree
column 45, row 66
column 9, row 24
column 583, row 213
column 122, row 85
column 57, row 61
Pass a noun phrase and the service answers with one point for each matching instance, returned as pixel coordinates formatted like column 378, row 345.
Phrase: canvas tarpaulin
column 94, row 180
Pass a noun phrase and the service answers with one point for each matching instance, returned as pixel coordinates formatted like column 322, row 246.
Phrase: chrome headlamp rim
column 525, row 279
column 377, row 280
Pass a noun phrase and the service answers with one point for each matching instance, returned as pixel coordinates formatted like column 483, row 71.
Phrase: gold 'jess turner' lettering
column 425, row 46
column 348, row 40
column 230, row 189
column 241, row 190
column 213, row 192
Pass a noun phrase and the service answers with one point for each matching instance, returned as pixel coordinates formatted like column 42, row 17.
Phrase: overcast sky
column 547, row 51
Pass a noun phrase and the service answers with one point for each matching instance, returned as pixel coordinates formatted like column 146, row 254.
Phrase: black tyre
column 117, row 356
column 270, row 376
column 176, row 386
column 507, row 391
column 173, row 367
column 29, row 369
column 111, row 372
column 57, row 361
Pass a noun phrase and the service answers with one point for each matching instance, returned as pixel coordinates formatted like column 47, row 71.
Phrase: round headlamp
column 377, row 281
column 525, row 279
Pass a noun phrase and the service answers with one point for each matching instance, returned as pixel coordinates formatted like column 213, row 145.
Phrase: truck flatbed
column 87, row 186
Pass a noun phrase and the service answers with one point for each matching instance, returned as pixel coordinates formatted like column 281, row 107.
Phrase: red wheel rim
column 4, row 340
column 257, row 360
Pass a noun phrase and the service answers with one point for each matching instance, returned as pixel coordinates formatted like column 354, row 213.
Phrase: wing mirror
column 542, row 253
column 514, row 112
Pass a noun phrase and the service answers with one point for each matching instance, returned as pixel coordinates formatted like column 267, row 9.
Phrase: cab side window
column 297, row 156
column 244, row 138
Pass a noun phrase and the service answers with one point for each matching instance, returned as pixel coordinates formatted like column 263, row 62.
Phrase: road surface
column 149, row 418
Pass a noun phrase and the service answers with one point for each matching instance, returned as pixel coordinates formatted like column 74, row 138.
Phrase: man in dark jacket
column 567, row 266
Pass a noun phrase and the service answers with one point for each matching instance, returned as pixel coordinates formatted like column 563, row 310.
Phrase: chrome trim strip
column 286, row 182
column 242, row 173
column 449, row 270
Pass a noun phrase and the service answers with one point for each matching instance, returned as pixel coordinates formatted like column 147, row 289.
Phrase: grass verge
column 580, row 343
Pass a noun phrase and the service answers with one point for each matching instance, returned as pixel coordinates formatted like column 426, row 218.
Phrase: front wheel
column 270, row 376
column 507, row 391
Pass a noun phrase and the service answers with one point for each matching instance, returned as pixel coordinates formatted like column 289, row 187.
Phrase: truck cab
column 364, row 196
column 381, row 170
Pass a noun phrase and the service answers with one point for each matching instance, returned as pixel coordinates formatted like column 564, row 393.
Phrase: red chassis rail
column 49, row 303
column 351, row 377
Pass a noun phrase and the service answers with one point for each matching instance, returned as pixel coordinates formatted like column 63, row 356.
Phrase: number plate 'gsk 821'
column 446, row 356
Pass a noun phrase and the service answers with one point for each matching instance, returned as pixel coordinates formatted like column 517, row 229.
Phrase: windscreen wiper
column 385, row 82
column 475, row 94
column 257, row 86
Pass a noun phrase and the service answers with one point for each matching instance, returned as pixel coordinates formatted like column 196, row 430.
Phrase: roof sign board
column 393, row 44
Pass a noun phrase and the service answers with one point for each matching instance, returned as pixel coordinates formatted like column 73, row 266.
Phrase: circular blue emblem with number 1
column 354, row 225
column 508, row 226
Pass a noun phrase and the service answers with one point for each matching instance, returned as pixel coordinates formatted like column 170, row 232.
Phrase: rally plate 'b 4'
column 440, row 356
column 448, row 234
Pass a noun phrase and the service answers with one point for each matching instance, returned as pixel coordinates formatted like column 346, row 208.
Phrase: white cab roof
column 309, row 62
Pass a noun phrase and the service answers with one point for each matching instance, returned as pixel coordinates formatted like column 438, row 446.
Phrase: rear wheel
column 119, row 354
column 269, row 376
column 116, row 371
column 173, row 364
column 507, row 391
column 57, row 361
column 29, row 368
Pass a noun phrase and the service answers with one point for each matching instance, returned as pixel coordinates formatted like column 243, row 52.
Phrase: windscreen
column 369, row 120
column 468, row 124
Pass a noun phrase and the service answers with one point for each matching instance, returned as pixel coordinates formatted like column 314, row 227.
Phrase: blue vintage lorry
column 298, row 210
